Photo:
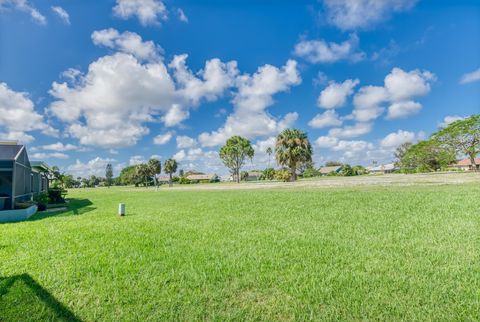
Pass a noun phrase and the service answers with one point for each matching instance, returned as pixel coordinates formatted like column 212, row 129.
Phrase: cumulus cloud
column 470, row 77
column 127, row 42
column 449, row 119
column 395, row 139
column 18, row 116
column 361, row 14
column 148, row 12
column 163, row 138
column 326, row 119
column 94, row 167
column 45, row 156
column 320, row 51
column 62, row 13
column 255, row 93
column 184, row 141
column 351, row 131
column 398, row 90
column 326, row 142
column 110, row 105
column 24, row 6
column 335, row 94
column 59, row 146
column 136, row 159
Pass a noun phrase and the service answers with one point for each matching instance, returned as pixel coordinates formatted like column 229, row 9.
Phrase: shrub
column 184, row 180
column 56, row 195
column 283, row 175
column 41, row 200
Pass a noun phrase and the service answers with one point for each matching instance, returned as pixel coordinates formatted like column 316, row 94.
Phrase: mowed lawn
column 371, row 253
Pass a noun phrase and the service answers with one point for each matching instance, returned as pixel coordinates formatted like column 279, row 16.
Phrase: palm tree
column 170, row 167
column 269, row 152
column 154, row 168
column 292, row 149
column 143, row 172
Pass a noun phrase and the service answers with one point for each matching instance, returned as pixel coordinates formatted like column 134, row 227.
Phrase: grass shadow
column 74, row 207
column 23, row 299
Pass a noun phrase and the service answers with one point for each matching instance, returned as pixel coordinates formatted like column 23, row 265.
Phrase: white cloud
column 320, row 51
column 360, row 14
column 352, row 146
column 111, row 103
column 148, row 12
column 62, row 13
column 351, row 131
column 24, row 6
column 53, row 155
column 184, row 141
column 326, row 142
column 255, row 93
column 59, row 146
column 403, row 85
column 127, row 42
column 335, row 94
column 182, row 16
column 403, row 109
column 94, row 167
column 326, row 119
column 398, row 90
column 395, row 139
column 450, row 119
column 136, row 159
column 18, row 116
column 470, row 77
column 163, row 138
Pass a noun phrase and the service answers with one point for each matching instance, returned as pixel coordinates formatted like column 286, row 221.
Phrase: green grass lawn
column 397, row 253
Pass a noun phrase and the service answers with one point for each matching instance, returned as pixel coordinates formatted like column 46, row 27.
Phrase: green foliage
column 244, row 175
column 170, row 167
column 108, row 175
column 268, row 174
column 462, row 136
column 283, row 175
column 56, row 195
column 234, row 153
column 346, row 171
column 292, row 150
column 333, row 164
column 184, row 180
column 310, row 171
column 426, row 156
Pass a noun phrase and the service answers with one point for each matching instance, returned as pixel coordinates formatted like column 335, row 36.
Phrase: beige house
column 327, row 170
column 203, row 177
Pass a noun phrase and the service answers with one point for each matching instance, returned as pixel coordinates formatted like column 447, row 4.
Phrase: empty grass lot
column 362, row 253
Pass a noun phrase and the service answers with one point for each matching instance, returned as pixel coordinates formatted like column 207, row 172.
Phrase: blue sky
column 121, row 81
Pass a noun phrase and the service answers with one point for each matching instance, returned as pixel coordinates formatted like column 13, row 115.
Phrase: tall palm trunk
column 170, row 181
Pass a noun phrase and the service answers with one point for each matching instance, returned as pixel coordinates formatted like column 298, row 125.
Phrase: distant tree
column 333, row 164
column 269, row 151
column 400, row 153
column 154, row 168
column 128, row 176
column 234, row 153
column 181, row 173
column 85, row 182
column 67, row 181
column 108, row 175
column 170, row 167
column 359, row 170
column 428, row 156
column 244, row 175
column 93, row 181
column 462, row 136
column 293, row 149
column 268, row 174
column 143, row 172
column 346, row 171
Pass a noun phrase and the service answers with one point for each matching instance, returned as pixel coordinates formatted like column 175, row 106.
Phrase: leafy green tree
column 400, row 153
column 108, row 175
column 359, row 170
column 268, row 174
column 293, row 149
column 462, row 136
column 154, row 168
column 428, row 156
column 234, row 153
column 346, row 171
column 170, row 167
column 283, row 175
column 93, row 181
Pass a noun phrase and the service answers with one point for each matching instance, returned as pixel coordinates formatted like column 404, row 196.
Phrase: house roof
column 383, row 167
column 40, row 165
column 327, row 170
column 467, row 162
column 9, row 151
column 202, row 176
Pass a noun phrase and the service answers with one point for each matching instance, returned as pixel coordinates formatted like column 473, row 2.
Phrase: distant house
column 383, row 168
column 253, row 176
column 203, row 177
column 20, row 179
column 466, row 164
column 163, row 178
column 327, row 170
